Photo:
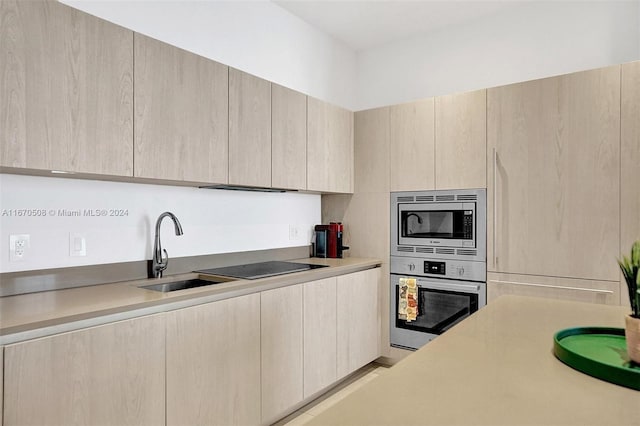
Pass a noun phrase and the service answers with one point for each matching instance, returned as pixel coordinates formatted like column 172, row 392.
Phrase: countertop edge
column 64, row 324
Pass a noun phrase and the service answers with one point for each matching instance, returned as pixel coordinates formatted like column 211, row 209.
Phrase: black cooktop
column 254, row 271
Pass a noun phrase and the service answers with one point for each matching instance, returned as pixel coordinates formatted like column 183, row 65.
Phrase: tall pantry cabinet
column 554, row 169
column 66, row 90
column 630, row 162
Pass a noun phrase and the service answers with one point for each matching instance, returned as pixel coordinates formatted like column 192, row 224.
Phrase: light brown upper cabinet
column 288, row 138
column 329, row 147
column 554, row 178
column 181, row 114
column 411, row 128
column 66, row 91
column 371, row 147
column 249, row 130
column 461, row 140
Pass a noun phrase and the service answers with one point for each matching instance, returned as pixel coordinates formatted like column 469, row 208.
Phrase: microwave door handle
column 455, row 287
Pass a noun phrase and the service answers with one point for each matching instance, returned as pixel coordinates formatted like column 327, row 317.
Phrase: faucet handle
column 164, row 260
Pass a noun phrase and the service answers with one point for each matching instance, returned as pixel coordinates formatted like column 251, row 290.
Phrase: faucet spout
column 160, row 262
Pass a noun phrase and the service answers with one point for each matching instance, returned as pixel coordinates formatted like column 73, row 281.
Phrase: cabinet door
column 181, row 113
column 319, row 335
column 358, row 320
column 630, row 166
column 591, row 291
column 371, row 147
column 1, row 383
column 281, row 326
column 461, row 140
column 111, row 375
column 556, row 189
column 249, row 130
column 288, row 138
column 213, row 363
column 411, row 128
column 329, row 147
column 66, row 91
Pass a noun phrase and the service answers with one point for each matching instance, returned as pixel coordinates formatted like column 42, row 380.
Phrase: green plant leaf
column 635, row 254
column 630, row 267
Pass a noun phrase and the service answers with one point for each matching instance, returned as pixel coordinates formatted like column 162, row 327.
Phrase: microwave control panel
column 451, row 269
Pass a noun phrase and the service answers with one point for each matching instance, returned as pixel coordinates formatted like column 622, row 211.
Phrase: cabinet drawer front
column 601, row 292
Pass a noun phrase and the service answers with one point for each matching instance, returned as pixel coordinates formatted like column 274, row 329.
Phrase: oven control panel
column 451, row 269
column 431, row 267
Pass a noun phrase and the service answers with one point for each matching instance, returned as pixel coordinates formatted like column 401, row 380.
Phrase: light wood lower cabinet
column 213, row 363
column 1, row 383
column 358, row 329
column 248, row 360
column 109, row 375
column 66, row 94
column 281, row 331
column 602, row 292
column 319, row 335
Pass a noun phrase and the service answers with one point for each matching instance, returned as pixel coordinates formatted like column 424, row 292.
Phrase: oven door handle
column 470, row 288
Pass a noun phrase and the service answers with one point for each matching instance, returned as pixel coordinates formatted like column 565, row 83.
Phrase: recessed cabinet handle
column 593, row 290
column 495, row 207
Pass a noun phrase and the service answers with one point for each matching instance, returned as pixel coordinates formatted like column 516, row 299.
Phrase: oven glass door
column 451, row 224
column 438, row 310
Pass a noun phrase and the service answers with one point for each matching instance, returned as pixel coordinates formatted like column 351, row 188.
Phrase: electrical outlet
column 294, row 232
column 18, row 247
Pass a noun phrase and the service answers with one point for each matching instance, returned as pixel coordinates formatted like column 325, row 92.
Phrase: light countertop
column 35, row 315
column 495, row 368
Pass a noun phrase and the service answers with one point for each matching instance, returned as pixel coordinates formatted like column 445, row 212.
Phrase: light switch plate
column 294, row 232
column 77, row 244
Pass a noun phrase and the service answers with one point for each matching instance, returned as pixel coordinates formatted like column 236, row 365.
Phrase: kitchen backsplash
column 117, row 220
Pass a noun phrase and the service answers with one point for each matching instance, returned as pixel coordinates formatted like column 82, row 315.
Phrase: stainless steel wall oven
column 438, row 239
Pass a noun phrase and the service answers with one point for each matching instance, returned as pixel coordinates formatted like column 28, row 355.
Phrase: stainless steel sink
column 182, row 285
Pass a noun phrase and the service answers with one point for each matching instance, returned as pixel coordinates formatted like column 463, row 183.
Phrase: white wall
column 532, row 40
column 257, row 37
column 214, row 221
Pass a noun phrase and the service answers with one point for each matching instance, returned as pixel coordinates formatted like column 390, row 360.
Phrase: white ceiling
column 367, row 23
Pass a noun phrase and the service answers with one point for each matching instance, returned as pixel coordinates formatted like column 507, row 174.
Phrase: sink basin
column 181, row 285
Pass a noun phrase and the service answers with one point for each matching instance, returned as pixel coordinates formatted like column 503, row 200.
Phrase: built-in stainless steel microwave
column 449, row 224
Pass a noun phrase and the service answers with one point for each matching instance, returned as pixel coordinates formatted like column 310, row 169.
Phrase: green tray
column 599, row 352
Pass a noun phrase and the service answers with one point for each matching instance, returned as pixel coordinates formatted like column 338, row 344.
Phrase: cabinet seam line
column 133, row 106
